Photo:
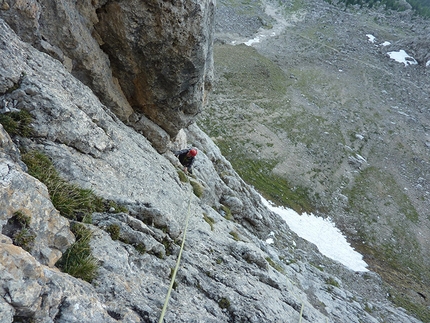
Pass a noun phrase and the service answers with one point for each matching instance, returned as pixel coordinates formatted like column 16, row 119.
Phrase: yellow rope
column 166, row 301
column 301, row 312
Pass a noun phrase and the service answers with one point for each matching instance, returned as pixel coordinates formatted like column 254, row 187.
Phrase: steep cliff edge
column 228, row 271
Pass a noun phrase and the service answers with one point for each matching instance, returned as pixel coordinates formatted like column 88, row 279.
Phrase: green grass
column 78, row 260
column 275, row 188
column 19, row 230
column 275, row 265
column 17, row 123
column 73, row 202
column 23, row 219
column 24, row 238
column 255, row 76
column 182, row 176
column 225, row 210
column 331, row 281
column 420, row 311
column 114, row 231
column 234, row 235
column 209, row 220
column 197, row 188
column 373, row 184
column 374, row 189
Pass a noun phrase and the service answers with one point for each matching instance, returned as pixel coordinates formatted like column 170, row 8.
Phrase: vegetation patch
column 78, row 260
column 420, row 311
column 373, row 184
column 258, row 172
column 197, row 188
column 17, row 123
column 226, row 212
column 256, row 75
column 73, row 202
column 275, row 265
column 234, row 235
column 333, row 282
column 421, row 7
column 224, row 303
column 209, row 220
column 140, row 248
column 18, row 229
column 182, row 176
column 114, row 230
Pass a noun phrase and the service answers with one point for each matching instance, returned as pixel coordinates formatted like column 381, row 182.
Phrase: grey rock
column 222, row 278
column 23, row 194
column 165, row 73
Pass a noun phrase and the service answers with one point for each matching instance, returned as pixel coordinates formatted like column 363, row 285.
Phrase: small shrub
column 23, row 219
column 114, row 231
column 18, row 229
column 78, row 260
column 168, row 245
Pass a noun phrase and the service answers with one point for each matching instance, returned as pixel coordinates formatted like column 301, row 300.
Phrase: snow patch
column 402, row 57
column 324, row 234
column 371, row 38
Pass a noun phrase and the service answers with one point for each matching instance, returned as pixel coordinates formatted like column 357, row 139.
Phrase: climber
column 186, row 158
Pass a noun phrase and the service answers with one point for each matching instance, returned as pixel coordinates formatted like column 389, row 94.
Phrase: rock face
column 138, row 37
column 138, row 57
column 46, row 234
column 228, row 272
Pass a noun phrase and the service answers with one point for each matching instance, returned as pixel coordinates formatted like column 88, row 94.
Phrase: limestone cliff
column 119, row 49
column 228, row 272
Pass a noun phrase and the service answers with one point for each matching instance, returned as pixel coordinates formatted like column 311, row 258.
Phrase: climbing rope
column 301, row 312
column 166, row 301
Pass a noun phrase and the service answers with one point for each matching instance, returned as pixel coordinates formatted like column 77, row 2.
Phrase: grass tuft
column 73, row 202
column 182, row 176
column 209, row 220
column 235, row 235
column 114, row 231
column 18, row 229
column 197, row 188
column 78, row 260
column 275, row 265
column 17, row 123
column 224, row 303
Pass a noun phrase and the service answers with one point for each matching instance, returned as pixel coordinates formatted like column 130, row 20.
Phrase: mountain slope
column 319, row 118
column 228, row 272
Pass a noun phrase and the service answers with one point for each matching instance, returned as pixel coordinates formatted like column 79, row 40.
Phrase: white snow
column 270, row 241
column 323, row 233
column 402, row 57
column 428, row 64
column 371, row 38
column 254, row 40
column 385, row 43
